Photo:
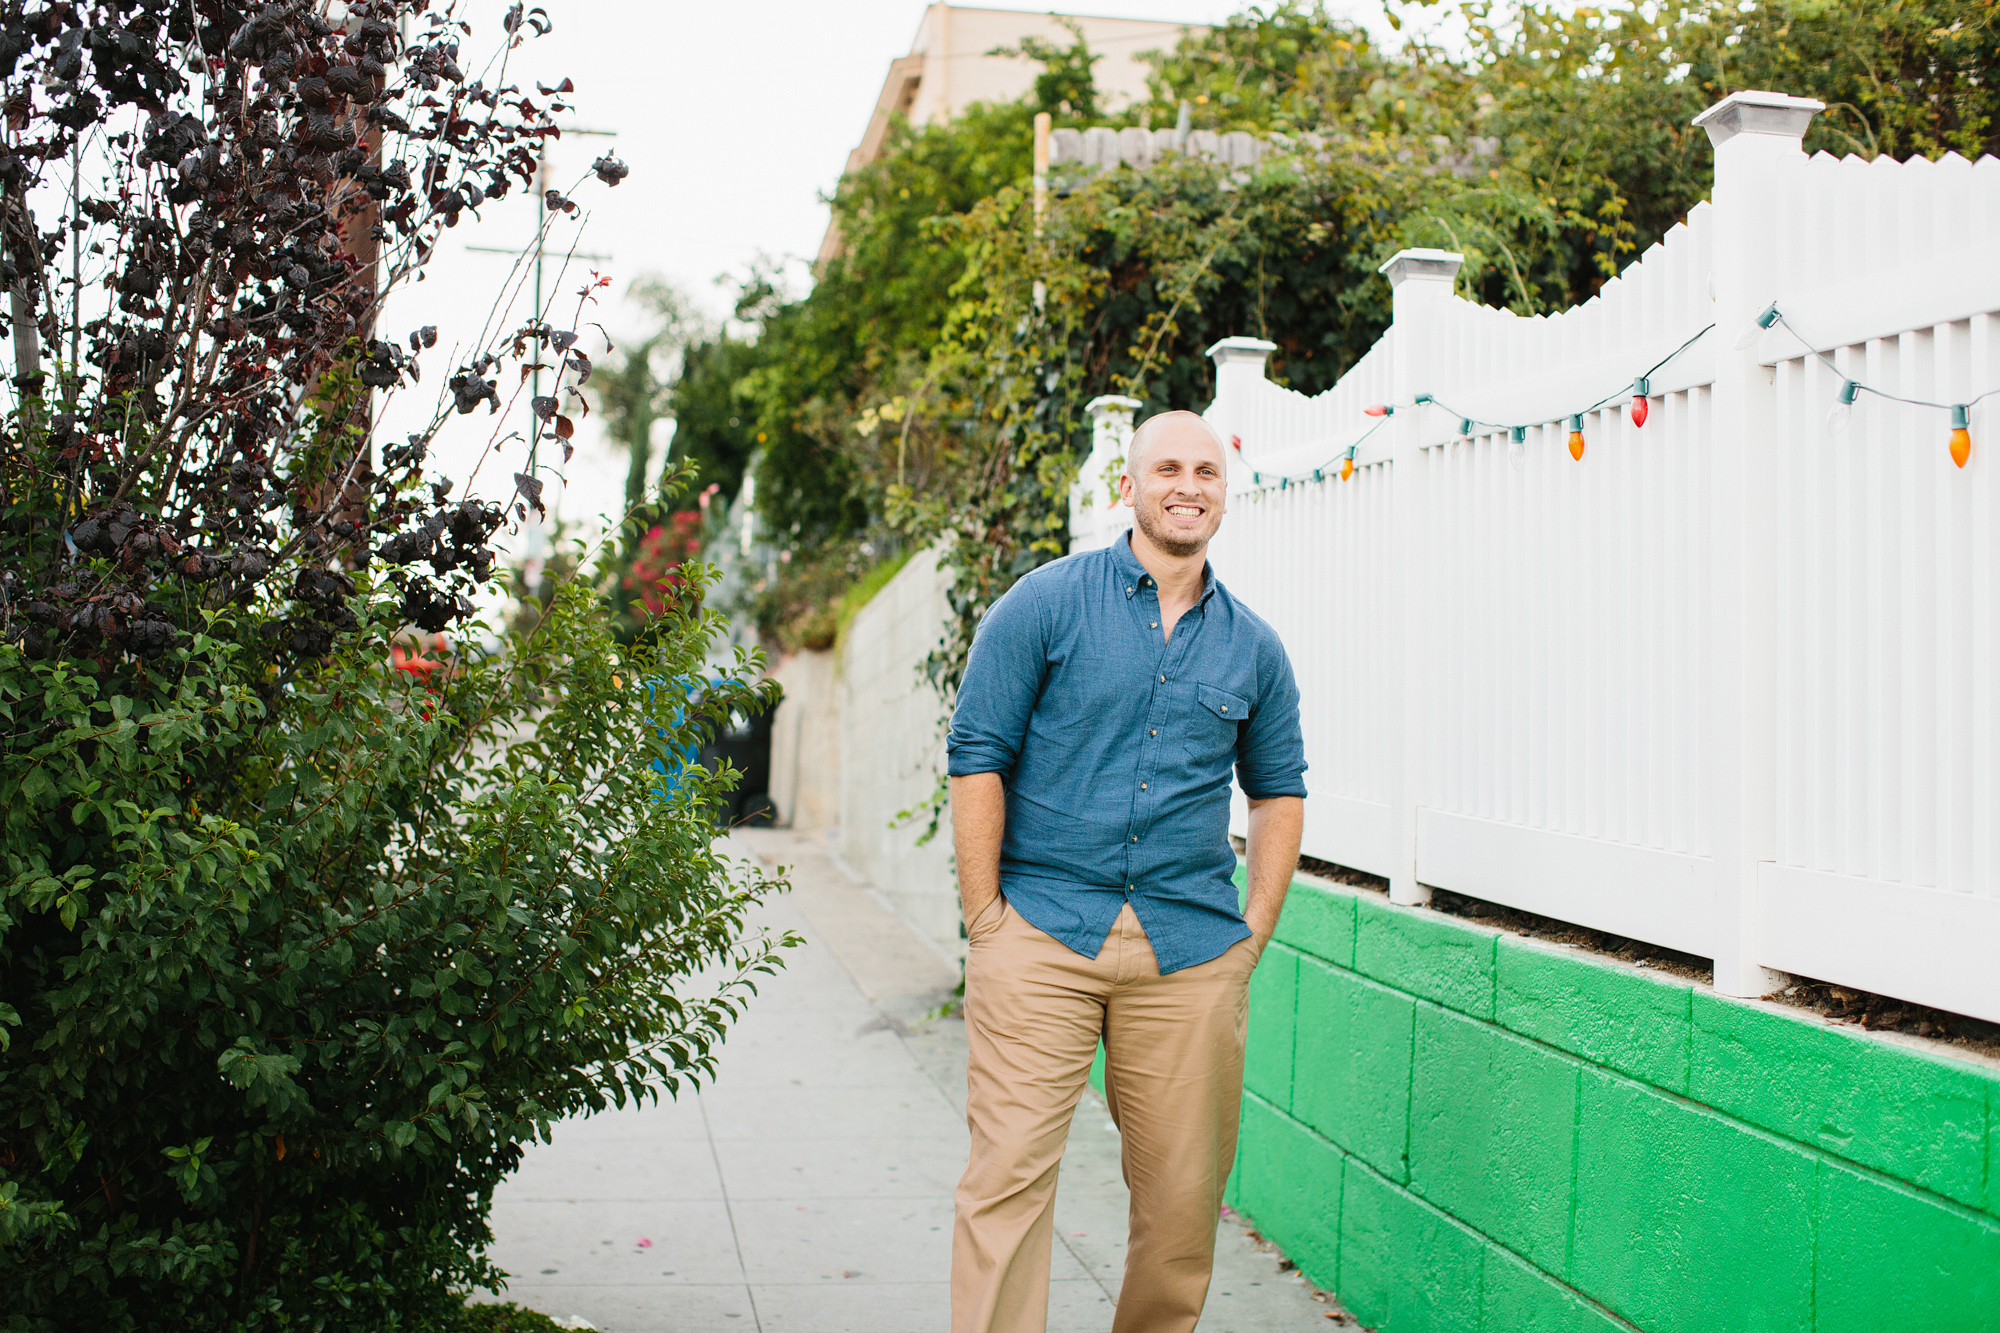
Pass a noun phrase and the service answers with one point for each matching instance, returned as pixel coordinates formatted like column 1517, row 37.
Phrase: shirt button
column 1135, row 837
column 1142, row 786
column 1154, row 625
column 1163, row 680
column 1128, row 888
column 1154, row 732
column 1225, row 708
column 1128, row 590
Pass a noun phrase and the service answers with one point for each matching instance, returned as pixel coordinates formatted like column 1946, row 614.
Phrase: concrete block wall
column 858, row 739
column 892, row 746
column 1458, row 1129
column 805, row 743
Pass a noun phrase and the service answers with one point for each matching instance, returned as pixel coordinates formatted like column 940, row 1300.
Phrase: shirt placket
column 1169, row 658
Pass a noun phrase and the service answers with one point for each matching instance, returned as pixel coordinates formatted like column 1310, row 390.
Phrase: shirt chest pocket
column 1209, row 733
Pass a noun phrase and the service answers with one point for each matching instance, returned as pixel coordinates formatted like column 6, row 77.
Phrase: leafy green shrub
column 295, row 964
column 303, row 933
column 508, row 1318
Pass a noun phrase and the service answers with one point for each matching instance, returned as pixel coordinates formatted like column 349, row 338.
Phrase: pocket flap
column 1229, row 707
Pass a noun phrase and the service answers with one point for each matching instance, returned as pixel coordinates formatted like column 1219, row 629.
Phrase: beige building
column 949, row 68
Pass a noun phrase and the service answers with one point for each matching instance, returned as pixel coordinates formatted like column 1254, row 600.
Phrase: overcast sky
column 735, row 120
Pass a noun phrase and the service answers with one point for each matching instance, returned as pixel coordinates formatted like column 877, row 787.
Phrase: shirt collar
column 1132, row 575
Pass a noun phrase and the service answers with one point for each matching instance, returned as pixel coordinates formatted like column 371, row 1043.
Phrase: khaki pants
column 1034, row 1010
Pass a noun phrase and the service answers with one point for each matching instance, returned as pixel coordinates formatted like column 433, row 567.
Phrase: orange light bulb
column 1961, row 434
column 1346, row 468
column 1576, row 438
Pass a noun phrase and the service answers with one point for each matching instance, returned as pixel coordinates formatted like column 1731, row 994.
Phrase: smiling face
column 1176, row 480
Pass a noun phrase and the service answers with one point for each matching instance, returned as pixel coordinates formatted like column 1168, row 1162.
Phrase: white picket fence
column 1727, row 684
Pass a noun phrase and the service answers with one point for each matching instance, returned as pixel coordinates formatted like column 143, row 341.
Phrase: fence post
column 1093, row 522
column 1240, row 370
column 1421, row 283
column 1756, row 136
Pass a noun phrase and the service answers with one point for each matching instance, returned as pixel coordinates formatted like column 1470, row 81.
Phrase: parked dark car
column 746, row 745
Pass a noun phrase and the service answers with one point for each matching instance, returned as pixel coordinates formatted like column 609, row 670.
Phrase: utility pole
column 542, row 188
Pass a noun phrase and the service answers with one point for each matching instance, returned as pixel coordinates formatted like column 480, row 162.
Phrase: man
column 1106, row 698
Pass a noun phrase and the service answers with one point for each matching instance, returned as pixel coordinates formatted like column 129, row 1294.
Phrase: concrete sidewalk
column 809, row 1190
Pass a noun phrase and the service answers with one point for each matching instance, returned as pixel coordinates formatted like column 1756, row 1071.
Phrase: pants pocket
column 988, row 919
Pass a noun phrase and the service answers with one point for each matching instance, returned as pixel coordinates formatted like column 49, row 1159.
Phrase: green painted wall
column 1456, row 1129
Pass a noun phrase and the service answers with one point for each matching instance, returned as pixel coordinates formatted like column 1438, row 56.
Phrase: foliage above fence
column 919, row 385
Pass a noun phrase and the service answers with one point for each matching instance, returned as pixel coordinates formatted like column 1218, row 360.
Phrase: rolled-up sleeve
column 1003, row 678
column 1271, row 751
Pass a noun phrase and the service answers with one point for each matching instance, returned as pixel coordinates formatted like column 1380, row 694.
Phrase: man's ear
column 1125, row 488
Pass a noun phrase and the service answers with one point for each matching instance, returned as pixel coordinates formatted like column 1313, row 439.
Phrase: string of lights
column 1345, row 458
column 1850, row 388
column 1640, row 391
column 1640, row 387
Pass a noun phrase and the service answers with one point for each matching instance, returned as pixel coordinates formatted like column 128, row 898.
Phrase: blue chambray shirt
column 1115, row 748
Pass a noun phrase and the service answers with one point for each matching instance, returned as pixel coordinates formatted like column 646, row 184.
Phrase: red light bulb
column 1639, row 407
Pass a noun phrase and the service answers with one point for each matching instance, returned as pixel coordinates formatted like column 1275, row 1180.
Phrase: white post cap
column 1421, row 263
column 1228, row 351
column 1758, row 113
column 1105, row 404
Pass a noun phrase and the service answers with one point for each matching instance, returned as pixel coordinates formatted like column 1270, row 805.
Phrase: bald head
column 1181, row 427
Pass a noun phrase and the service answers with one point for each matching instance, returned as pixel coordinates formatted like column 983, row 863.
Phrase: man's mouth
column 1184, row 511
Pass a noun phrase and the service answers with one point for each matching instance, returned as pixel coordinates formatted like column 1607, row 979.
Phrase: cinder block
column 1319, row 921
column 1289, row 1183
column 1894, row 1261
column 1908, row 1115
column 1267, row 1057
column 1351, row 1077
column 1232, row 1189
column 1687, row 1222
column 1517, row 1297
column 1993, row 1150
column 1426, row 954
column 1257, row 1155
column 1635, row 1024
column 1492, row 1133
column 1404, row 1266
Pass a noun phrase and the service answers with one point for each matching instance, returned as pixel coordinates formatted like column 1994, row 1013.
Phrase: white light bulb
column 1765, row 319
column 1517, row 454
column 1837, row 417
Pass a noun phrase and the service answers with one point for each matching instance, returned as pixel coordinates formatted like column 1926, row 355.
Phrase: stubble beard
column 1172, row 543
